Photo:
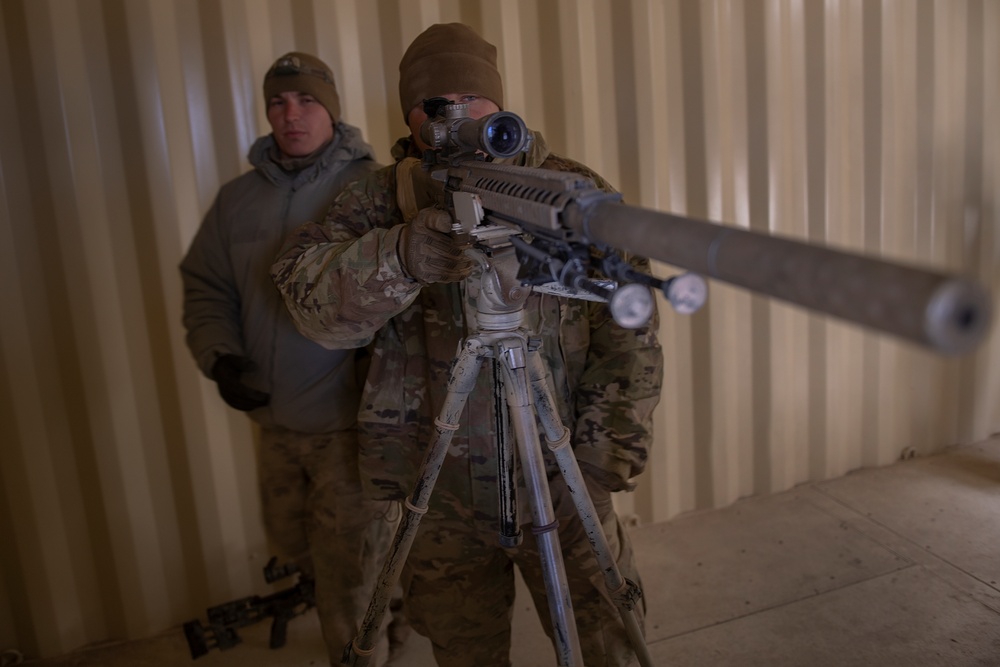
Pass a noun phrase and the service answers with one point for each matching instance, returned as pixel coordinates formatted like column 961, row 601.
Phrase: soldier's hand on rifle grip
column 228, row 375
column 428, row 252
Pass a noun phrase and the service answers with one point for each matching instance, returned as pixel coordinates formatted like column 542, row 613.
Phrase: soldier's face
column 478, row 107
column 299, row 122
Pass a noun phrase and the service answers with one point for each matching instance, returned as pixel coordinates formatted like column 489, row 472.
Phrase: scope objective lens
column 504, row 137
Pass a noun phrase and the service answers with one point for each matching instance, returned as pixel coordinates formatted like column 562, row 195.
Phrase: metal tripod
column 523, row 376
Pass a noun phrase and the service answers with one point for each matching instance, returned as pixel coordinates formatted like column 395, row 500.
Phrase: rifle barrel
column 948, row 313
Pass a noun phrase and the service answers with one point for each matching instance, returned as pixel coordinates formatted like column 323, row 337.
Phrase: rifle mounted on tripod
column 562, row 227
column 556, row 231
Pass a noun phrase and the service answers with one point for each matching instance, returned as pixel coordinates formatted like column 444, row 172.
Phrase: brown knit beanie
column 303, row 73
column 448, row 58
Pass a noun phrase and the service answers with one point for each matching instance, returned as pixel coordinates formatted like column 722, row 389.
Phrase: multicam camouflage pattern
column 312, row 501
column 344, row 287
column 459, row 586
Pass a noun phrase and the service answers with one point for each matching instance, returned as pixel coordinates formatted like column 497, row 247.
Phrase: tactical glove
column 227, row 373
column 428, row 253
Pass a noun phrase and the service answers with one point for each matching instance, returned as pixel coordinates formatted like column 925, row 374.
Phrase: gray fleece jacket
column 232, row 307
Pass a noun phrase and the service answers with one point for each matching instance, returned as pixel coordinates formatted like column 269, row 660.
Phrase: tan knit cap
column 448, row 58
column 303, row 73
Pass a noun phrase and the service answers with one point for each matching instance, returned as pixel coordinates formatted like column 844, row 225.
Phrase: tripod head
column 500, row 296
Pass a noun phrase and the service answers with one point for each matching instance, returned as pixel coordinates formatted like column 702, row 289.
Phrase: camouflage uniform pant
column 459, row 586
column 316, row 516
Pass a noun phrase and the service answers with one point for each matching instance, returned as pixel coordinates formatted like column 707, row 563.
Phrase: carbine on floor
column 225, row 619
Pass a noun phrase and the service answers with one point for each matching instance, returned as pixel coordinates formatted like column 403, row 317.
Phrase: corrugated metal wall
column 127, row 492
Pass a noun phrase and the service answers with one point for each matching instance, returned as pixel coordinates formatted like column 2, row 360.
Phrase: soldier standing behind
column 304, row 397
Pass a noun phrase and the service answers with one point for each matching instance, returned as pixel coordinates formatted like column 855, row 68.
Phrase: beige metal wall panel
column 127, row 488
column 983, row 393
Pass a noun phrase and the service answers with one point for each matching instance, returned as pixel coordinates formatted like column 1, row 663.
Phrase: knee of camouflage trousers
column 311, row 481
column 284, row 489
column 460, row 587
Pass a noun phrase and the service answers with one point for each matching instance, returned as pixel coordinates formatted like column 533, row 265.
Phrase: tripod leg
column 510, row 526
column 545, row 528
column 461, row 383
column 623, row 592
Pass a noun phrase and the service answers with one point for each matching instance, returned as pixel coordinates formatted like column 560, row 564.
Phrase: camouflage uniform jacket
column 344, row 286
column 230, row 304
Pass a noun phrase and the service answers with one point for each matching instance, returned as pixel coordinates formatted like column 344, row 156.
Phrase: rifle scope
column 499, row 135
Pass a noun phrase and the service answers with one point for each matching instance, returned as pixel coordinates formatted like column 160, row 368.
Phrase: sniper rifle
column 565, row 230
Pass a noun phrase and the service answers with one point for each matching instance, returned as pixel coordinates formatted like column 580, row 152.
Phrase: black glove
column 427, row 251
column 227, row 373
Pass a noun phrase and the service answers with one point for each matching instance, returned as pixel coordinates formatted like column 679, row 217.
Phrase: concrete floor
column 897, row 566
